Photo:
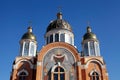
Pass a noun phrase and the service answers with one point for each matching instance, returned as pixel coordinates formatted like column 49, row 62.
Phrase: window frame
column 22, row 77
column 94, row 75
column 58, row 73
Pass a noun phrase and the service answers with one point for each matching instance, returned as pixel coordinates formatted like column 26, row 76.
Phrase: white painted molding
column 78, row 63
column 94, row 61
column 107, row 74
column 23, row 70
column 84, row 67
column 95, row 71
column 53, row 68
column 39, row 63
column 16, row 65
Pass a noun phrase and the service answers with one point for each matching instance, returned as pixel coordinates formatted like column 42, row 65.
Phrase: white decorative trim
column 53, row 68
column 23, row 70
column 103, row 66
column 16, row 65
column 39, row 63
column 78, row 63
column 107, row 74
column 84, row 67
column 94, row 61
column 95, row 71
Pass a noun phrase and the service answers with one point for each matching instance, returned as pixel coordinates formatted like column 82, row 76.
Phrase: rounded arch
column 23, row 70
column 95, row 75
column 94, row 60
column 91, row 72
column 45, row 58
column 50, row 46
column 18, row 62
column 55, row 66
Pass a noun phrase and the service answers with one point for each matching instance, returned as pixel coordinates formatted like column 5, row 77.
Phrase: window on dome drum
column 62, row 38
column 92, row 49
column 26, row 48
column 32, row 49
column 56, row 37
column 95, row 76
column 22, row 76
column 21, row 49
column 59, row 73
column 86, row 49
column 51, row 38
column 97, row 49
column 70, row 40
column 47, row 40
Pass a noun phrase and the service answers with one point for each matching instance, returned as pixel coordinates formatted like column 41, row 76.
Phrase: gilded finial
column 59, row 14
column 30, row 26
column 29, row 29
column 88, row 29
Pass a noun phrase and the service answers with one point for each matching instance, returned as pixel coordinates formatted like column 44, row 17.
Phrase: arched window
column 22, row 75
column 95, row 76
column 59, row 73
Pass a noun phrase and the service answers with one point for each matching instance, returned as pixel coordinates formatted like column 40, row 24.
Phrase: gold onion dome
column 89, row 35
column 29, row 34
column 59, row 23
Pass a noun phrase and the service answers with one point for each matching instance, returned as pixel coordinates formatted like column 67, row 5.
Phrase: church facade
column 59, row 59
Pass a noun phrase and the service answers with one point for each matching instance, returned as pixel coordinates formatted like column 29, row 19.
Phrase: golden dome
column 89, row 35
column 29, row 34
column 59, row 23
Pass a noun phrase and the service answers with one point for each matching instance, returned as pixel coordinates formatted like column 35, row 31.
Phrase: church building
column 59, row 58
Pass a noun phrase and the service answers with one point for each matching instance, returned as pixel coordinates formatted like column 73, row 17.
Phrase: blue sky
column 103, row 15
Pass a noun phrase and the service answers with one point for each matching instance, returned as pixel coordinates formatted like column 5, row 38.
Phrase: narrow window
column 26, row 48
column 59, row 73
column 32, row 49
column 56, row 37
column 95, row 76
column 47, row 40
column 70, row 40
column 62, row 37
column 21, row 49
column 92, row 48
column 51, row 38
column 97, row 49
column 22, row 76
column 86, row 49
